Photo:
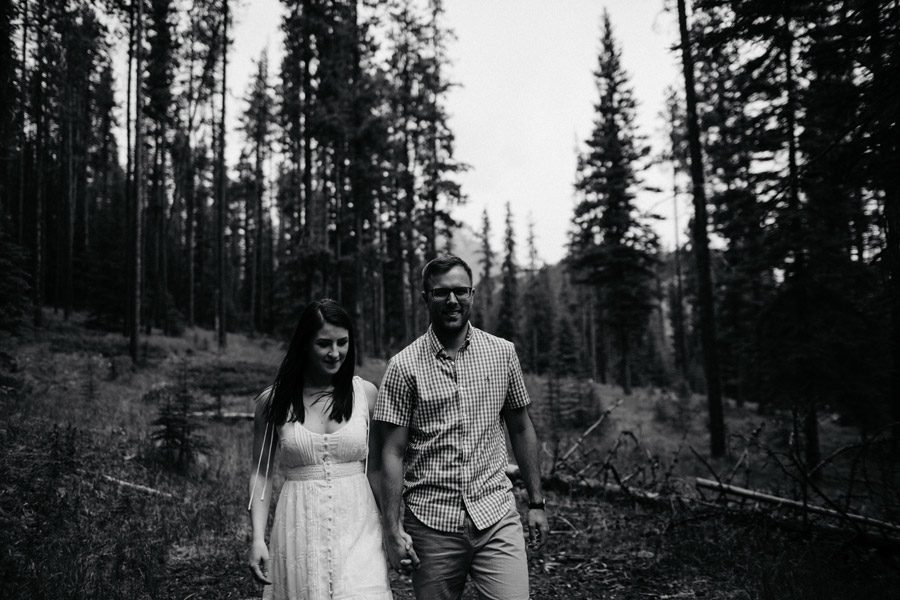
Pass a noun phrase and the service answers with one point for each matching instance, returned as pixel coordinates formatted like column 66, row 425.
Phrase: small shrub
column 176, row 432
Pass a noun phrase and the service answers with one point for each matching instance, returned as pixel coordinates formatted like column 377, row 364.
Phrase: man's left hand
column 538, row 528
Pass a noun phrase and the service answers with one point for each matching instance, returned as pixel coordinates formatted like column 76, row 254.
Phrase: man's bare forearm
column 390, row 492
column 525, row 448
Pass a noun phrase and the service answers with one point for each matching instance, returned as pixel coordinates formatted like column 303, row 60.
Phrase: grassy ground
column 76, row 414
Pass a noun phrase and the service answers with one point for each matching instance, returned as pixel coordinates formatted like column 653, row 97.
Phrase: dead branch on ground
column 585, row 435
column 138, row 487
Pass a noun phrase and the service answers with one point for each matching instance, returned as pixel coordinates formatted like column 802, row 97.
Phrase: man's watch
column 541, row 505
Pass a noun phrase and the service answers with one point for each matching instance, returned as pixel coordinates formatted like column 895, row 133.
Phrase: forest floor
column 78, row 420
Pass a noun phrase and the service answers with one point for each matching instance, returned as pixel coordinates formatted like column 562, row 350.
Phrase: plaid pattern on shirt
column 456, row 452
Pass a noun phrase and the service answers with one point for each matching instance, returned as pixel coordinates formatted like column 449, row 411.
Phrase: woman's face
column 328, row 351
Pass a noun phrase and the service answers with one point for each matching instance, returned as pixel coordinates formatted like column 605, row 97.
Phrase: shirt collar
column 434, row 344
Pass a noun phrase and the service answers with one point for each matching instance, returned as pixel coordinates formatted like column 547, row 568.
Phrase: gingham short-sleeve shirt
column 456, row 452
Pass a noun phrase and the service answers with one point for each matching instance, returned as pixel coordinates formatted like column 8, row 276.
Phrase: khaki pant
column 494, row 559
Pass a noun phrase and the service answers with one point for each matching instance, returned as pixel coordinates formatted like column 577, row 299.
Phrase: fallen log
column 811, row 508
column 568, row 484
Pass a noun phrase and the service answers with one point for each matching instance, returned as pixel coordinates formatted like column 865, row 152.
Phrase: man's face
column 449, row 313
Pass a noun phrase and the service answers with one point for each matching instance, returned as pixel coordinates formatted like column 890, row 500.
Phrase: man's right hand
column 400, row 551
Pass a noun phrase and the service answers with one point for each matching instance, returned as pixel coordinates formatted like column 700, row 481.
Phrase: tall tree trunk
column 701, row 249
column 151, row 246
column 412, row 262
column 625, row 346
column 339, row 221
column 69, row 213
column 660, row 338
column 38, row 277
column 188, row 159
column 798, row 267
column 23, row 83
column 83, row 194
column 129, row 185
column 138, row 190
column 220, row 207
column 189, row 243
column 680, row 335
column 407, row 291
column 306, row 140
column 256, row 246
column 379, row 316
column 270, row 276
column 790, row 115
column 590, row 316
column 162, row 240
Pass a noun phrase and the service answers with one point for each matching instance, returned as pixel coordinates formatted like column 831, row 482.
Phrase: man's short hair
column 440, row 265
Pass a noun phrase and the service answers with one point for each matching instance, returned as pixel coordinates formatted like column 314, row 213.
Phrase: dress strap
column 259, row 463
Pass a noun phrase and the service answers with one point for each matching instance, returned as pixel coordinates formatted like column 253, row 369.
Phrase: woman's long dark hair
column 287, row 390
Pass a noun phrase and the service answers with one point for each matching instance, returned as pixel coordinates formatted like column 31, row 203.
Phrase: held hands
column 259, row 562
column 538, row 528
column 401, row 554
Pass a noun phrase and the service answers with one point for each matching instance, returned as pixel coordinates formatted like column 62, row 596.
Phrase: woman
column 326, row 536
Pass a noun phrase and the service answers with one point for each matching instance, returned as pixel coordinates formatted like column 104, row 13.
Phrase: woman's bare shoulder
column 371, row 392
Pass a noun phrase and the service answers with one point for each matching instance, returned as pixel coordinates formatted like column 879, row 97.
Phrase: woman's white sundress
column 326, row 536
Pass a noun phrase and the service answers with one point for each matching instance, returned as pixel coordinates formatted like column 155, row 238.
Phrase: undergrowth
column 76, row 430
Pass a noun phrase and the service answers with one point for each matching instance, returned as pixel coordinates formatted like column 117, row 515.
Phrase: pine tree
column 538, row 308
column 221, row 195
column 613, row 249
column 8, row 133
column 161, row 56
column 441, row 192
column 484, row 297
column 508, row 310
column 136, row 237
column 257, row 128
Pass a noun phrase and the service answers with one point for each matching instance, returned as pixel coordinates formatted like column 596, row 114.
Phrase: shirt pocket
column 491, row 386
column 436, row 408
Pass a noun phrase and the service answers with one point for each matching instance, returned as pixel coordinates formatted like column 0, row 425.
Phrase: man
column 439, row 409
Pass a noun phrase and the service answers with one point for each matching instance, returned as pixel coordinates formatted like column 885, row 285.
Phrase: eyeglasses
column 441, row 293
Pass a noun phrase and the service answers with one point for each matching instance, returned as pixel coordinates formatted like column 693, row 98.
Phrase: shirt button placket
column 458, row 419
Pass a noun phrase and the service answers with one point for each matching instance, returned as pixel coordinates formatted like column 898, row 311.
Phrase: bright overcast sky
column 524, row 101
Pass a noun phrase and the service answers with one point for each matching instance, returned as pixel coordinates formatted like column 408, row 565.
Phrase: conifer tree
column 7, row 105
column 508, row 310
column 137, row 192
column 613, row 248
column 484, row 297
column 221, row 195
column 257, row 128
column 161, row 57
column 538, row 309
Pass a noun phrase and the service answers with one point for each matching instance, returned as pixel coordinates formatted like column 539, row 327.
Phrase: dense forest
column 783, row 291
